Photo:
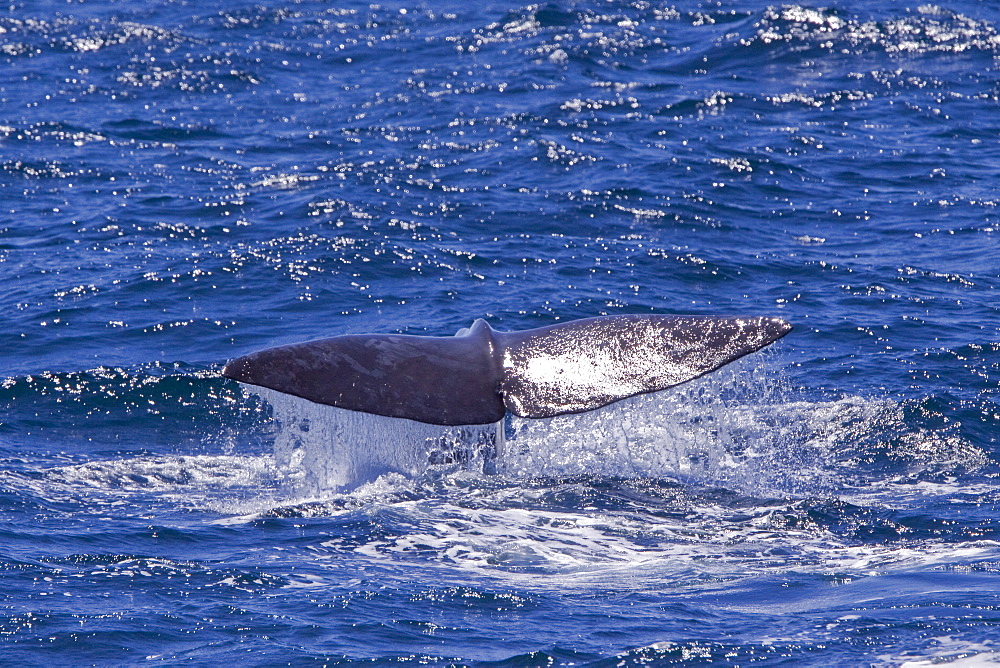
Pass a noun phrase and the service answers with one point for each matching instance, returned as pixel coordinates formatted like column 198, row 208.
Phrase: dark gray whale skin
column 479, row 374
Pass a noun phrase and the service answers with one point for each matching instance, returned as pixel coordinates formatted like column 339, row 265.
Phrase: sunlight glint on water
column 184, row 183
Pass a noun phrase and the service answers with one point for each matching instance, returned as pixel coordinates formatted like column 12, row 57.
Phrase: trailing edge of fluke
column 479, row 374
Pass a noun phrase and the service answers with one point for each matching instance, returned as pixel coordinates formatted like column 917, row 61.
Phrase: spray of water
column 726, row 428
column 325, row 449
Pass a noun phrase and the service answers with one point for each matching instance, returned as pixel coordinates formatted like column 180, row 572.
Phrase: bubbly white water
column 739, row 428
column 487, row 498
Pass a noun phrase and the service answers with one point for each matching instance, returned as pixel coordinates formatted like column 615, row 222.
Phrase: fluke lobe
column 477, row 375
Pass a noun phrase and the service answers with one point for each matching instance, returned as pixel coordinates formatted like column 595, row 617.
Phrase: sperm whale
column 478, row 375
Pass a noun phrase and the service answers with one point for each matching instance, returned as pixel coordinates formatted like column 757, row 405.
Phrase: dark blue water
column 185, row 182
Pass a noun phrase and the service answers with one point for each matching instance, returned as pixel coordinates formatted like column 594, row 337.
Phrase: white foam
column 166, row 473
column 734, row 429
column 945, row 650
column 489, row 499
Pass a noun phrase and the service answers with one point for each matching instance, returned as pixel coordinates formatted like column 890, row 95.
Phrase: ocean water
column 185, row 182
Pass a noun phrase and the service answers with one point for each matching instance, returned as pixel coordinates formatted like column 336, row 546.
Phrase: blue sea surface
column 182, row 183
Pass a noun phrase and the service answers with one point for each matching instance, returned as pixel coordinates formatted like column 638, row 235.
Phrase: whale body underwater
column 478, row 375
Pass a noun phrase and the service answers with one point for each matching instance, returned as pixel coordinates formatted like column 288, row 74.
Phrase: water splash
column 741, row 428
column 325, row 449
column 725, row 429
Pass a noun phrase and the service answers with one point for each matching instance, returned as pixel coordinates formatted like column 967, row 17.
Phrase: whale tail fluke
column 479, row 374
